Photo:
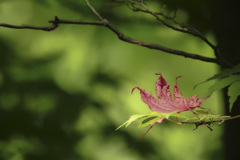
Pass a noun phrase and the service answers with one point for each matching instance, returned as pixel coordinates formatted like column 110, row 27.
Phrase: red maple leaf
column 166, row 103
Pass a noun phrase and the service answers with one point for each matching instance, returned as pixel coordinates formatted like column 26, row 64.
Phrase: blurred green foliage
column 63, row 93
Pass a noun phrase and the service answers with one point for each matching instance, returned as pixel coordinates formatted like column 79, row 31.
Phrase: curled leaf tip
column 178, row 77
column 134, row 89
column 165, row 105
column 165, row 102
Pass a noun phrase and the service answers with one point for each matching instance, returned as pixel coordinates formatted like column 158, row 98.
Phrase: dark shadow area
column 34, row 109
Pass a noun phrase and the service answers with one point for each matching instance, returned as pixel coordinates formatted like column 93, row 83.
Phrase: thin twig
column 54, row 26
column 184, row 28
column 93, row 10
column 191, row 31
column 154, row 46
column 197, row 124
column 201, row 121
column 121, row 36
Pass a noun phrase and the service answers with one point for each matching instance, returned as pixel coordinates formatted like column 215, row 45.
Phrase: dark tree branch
column 54, row 26
column 121, row 36
column 183, row 29
column 50, row 28
column 193, row 32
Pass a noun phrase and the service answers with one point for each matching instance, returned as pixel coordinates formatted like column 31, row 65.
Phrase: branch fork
column 104, row 22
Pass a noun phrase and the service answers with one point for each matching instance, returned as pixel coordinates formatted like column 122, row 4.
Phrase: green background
column 63, row 93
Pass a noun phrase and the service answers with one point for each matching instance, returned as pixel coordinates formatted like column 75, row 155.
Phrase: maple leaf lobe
column 165, row 103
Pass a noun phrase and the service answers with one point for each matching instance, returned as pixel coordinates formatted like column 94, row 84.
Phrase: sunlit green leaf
column 149, row 121
column 205, row 115
column 201, row 110
column 226, row 72
column 228, row 77
column 233, row 93
column 132, row 119
column 174, row 114
column 222, row 74
column 150, row 118
column 222, row 84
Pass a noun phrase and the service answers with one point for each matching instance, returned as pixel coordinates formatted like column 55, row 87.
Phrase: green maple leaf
column 227, row 78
